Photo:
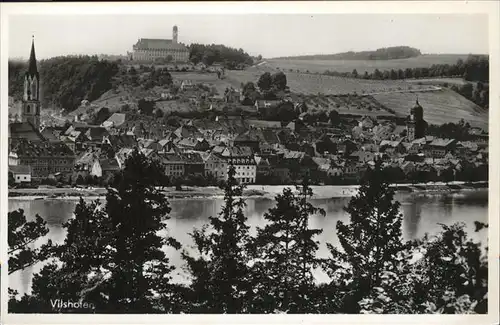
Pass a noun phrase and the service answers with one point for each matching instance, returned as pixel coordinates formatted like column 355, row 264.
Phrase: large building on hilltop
column 151, row 49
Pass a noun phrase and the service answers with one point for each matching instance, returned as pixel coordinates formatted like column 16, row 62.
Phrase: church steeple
column 31, row 97
column 32, row 68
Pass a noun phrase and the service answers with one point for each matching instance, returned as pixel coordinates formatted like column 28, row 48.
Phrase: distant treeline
column 475, row 68
column 210, row 54
column 66, row 80
column 386, row 53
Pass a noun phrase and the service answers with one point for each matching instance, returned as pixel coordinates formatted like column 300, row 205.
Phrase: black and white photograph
column 249, row 163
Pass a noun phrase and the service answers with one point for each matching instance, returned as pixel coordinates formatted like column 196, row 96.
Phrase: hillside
column 386, row 53
column 305, row 83
column 66, row 81
column 320, row 92
column 440, row 107
column 320, row 66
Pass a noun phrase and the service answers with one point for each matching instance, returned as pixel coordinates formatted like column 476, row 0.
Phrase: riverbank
column 270, row 191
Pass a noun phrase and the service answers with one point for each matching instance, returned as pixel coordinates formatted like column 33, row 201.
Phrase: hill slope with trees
column 386, row 53
column 66, row 80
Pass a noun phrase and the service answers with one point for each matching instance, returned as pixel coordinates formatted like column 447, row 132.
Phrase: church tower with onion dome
column 31, row 95
column 415, row 123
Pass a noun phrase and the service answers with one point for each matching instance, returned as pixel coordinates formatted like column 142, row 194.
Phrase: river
column 421, row 214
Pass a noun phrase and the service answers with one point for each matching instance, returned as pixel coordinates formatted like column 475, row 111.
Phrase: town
column 175, row 175
column 269, row 133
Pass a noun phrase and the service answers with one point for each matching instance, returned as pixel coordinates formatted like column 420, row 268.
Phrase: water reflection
column 421, row 214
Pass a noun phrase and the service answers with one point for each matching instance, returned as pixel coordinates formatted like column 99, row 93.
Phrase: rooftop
column 20, row 169
column 158, row 44
column 41, row 149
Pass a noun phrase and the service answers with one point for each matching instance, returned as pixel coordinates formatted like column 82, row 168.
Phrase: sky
column 269, row 35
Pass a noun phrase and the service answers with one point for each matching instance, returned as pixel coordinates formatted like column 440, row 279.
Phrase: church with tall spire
column 31, row 96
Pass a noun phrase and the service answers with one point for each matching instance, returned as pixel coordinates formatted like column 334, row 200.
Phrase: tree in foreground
column 220, row 272
column 448, row 275
column 113, row 255
column 22, row 235
column 286, row 256
column 370, row 243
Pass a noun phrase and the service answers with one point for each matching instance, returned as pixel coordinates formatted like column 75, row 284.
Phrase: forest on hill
column 217, row 53
column 386, row 53
column 66, row 80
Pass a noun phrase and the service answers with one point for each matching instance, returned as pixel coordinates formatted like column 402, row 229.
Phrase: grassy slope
column 439, row 107
column 361, row 65
column 305, row 83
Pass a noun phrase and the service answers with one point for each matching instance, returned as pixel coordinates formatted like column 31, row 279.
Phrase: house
column 44, row 158
column 263, row 168
column 261, row 124
column 466, row 148
column 13, row 159
column 187, row 85
column 346, row 147
column 88, row 163
column 193, row 163
column 415, row 157
column 326, row 168
column 115, row 120
column 216, row 166
column 122, row 141
column 49, row 135
column 198, row 144
column 353, row 170
column 370, row 147
column 325, row 145
column 362, row 156
column 297, row 162
column 20, row 173
column 232, row 95
column 250, row 138
column 266, row 106
column 408, row 167
column 391, row 147
column 188, row 131
column 244, row 163
column 296, row 125
column 438, row 148
column 366, row 122
column 122, row 156
column 174, row 165
column 23, row 131
column 150, row 154
column 109, row 166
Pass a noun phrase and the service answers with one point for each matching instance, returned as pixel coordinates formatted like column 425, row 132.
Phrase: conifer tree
column 112, row 256
column 138, row 212
column 286, row 253
column 220, row 273
column 369, row 242
column 22, row 234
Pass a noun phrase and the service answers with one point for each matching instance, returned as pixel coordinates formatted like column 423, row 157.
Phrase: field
column 440, row 107
column 305, row 83
column 361, row 66
column 359, row 105
column 438, row 81
column 209, row 79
